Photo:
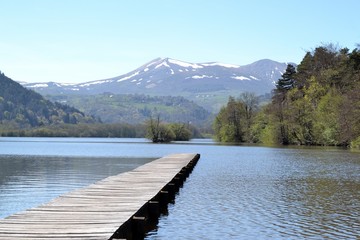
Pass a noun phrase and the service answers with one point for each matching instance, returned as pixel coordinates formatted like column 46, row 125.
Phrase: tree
column 304, row 70
column 280, row 102
column 262, row 129
column 287, row 81
column 250, row 103
column 182, row 133
column 153, row 129
column 228, row 124
column 158, row 132
column 327, row 125
column 318, row 104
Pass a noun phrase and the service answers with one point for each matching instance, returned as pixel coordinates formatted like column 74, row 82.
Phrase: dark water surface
column 234, row 192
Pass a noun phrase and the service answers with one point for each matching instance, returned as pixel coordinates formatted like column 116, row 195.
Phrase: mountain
column 21, row 107
column 163, row 74
column 208, row 84
column 135, row 108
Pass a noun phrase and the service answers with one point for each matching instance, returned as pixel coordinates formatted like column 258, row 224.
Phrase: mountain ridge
column 208, row 84
column 166, row 62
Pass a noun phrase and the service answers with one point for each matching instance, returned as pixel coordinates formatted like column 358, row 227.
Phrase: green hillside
column 135, row 108
column 23, row 108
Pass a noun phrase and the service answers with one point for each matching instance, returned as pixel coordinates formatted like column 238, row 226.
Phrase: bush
column 355, row 143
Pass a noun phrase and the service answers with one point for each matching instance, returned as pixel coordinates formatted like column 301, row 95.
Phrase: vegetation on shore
column 159, row 132
column 317, row 103
column 314, row 103
column 178, row 131
column 77, row 130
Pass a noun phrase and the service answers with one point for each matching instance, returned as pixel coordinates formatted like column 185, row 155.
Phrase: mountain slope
column 208, row 84
column 160, row 75
column 135, row 108
column 20, row 107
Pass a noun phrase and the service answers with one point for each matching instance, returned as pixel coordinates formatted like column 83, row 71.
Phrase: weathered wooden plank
column 97, row 211
column 94, row 236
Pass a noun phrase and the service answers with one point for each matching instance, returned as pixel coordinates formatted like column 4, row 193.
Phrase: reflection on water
column 28, row 181
column 234, row 192
column 267, row 193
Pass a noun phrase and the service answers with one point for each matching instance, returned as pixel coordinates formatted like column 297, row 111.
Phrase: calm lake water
column 234, row 192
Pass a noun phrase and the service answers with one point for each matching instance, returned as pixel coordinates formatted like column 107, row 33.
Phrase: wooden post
column 138, row 227
column 171, row 188
column 153, row 210
column 164, row 198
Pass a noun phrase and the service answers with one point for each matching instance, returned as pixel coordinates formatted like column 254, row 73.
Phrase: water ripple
column 268, row 195
column 28, row 181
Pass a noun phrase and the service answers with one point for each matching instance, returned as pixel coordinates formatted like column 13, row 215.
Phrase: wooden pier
column 117, row 207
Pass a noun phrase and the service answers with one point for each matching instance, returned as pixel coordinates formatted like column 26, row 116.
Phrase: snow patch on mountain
column 241, row 78
column 39, row 85
column 128, row 77
column 92, row 83
column 152, row 63
column 200, row 77
column 226, row 65
column 164, row 63
column 66, row 84
column 184, row 64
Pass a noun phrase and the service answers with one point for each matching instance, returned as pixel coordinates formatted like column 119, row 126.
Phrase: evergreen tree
column 287, row 81
column 283, row 86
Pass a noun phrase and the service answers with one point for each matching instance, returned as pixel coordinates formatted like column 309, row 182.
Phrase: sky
column 73, row 41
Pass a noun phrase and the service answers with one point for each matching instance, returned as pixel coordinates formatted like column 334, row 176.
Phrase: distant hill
column 135, row 108
column 207, row 84
column 21, row 107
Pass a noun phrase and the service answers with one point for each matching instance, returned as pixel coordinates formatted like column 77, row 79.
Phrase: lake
column 234, row 192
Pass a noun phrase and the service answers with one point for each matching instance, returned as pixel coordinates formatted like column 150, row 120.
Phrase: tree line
column 153, row 129
column 314, row 103
column 76, row 130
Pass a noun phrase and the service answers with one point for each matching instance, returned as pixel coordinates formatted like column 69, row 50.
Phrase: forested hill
column 20, row 107
column 137, row 108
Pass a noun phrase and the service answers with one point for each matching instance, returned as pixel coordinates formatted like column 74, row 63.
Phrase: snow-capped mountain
column 166, row 76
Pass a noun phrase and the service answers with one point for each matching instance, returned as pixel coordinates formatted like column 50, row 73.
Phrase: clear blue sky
column 84, row 40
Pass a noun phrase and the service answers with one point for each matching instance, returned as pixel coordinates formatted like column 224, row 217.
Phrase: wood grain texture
column 96, row 211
